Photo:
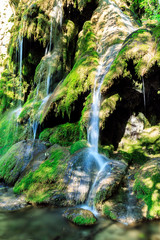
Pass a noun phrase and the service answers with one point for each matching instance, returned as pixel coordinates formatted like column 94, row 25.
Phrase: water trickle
column 36, row 120
column 56, row 21
column 35, row 127
column 20, row 43
column 144, row 94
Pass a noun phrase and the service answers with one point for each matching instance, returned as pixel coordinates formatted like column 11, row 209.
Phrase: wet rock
column 80, row 217
column 79, row 176
column 123, row 206
column 10, row 201
column 107, row 185
column 20, row 158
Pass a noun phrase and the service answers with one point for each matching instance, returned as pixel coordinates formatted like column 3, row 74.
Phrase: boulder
column 108, row 179
column 80, row 217
column 20, row 158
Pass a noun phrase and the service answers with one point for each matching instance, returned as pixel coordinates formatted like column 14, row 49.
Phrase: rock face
column 18, row 159
column 80, row 217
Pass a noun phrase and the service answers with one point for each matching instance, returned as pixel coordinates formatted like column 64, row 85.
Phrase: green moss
column 136, row 48
column 39, row 185
column 30, row 109
column 139, row 151
column 147, row 187
column 45, row 134
column 82, row 220
column 65, row 134
column 107, row 150
column 77, row 146
column 108, row 213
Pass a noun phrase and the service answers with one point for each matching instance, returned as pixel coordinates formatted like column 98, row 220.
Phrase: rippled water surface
column 48, row 224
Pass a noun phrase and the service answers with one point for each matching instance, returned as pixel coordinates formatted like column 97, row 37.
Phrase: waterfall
column 56, row 21
column 93, row 131
column 56, row 18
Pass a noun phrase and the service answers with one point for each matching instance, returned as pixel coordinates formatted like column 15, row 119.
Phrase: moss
column 107, row 107
column 108, row 213
column 140, row 48
column 80, row 217
column 64, row 134
column 77, row 146
column 147, row 187
column 31, row 109
column 106, row 150
column 39, row 185
column 81, row 220
column 85, row 116
column 45, row 134
column 140, row 150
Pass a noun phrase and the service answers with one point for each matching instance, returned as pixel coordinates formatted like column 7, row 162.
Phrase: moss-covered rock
column 80, row 217
column 147, row 188
column 17, row 159
column 78, row 145
column 46, row 183
column 107, row 183
column 140, row 147
column 64, row 134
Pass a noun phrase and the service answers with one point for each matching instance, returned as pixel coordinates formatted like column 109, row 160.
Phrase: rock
column 10, row 201
column 80, row 173
column 20, row 158
column 114, row 171
column 80, row 217
column 147, row 188
column 123, row 206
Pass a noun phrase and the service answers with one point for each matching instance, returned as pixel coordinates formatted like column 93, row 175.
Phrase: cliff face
column 51, row 51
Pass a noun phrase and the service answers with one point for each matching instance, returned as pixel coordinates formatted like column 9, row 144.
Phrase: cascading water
column 20, row 45
column 56, row 21
column 56, row 18
column 103, row 170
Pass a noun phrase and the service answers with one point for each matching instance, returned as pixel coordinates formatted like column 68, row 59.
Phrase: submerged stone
column 106, row 186
column 80, row 217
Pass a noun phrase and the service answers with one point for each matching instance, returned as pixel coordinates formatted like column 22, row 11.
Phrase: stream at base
column 48, row 224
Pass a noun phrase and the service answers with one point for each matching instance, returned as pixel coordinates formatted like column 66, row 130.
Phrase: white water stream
column 20, row 45
column 106, row 60
column 56, row 21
